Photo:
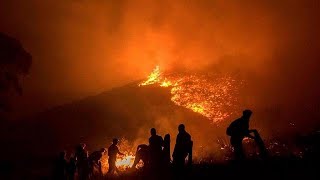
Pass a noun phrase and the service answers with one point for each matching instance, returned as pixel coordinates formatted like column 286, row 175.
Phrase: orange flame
column 211, row 97
column 153, row 78
column 123, row 162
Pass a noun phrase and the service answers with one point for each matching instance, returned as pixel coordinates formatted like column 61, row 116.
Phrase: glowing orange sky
column 82, row 47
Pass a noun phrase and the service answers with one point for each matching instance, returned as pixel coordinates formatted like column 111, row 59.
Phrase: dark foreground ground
column 273, row 168
column 270, row 169
column 20, row 164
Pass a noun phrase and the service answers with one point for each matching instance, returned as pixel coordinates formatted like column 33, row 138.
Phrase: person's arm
column 175, row 147
column 100, row 166
column 253, row 130
column 249, row 135
column 162, row 142
column 174, row 152
column 120, row 153
column 139, row 147
column 189, row 138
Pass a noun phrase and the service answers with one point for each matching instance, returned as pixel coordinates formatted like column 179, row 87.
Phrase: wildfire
column 212, row 96
column 154, row 77
column 123, row 162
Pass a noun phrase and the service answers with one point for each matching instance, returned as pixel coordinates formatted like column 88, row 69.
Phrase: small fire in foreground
column 123, row 162
column 215, row 97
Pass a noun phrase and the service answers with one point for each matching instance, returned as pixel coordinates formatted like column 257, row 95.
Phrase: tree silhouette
column 15, row 62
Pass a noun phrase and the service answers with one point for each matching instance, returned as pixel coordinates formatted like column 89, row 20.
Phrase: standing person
column 82, row 161
column 113, row 151
column 60, row 166
column 155, row 145
column 238, row 130
column 71, row 168
column 183, row 148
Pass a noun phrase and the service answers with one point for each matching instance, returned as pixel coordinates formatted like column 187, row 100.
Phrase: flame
column 154, row 77
column 166, row 83
column 123, row 162
column 213, row 97
column 196, row 108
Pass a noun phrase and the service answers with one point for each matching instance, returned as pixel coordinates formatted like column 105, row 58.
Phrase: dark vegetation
column 29, row 147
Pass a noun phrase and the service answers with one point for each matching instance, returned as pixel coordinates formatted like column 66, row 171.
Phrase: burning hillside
column 162, row 101
column 214, row 96
column 124, row 112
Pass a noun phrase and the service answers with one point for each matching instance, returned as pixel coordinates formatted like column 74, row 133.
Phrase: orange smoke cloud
column 95, row 45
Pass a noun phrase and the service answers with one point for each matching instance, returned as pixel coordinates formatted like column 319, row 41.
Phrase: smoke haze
column 83, row 47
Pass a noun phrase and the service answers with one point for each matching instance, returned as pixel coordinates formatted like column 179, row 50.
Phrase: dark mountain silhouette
column 129, row 111
column 29, row 146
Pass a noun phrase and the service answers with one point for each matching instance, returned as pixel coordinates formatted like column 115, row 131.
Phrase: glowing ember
column 214, row 97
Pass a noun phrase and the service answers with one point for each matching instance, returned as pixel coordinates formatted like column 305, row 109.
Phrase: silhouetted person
column 113, row 151
column 155, row 144
column 183, row 148
column 95, row 160
column 238, row 130
column 142, row 153
column 60, row 166
column 71, row 168
column 82, row 161
column 166, row 150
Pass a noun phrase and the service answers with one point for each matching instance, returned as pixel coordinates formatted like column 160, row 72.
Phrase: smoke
column 82, row 47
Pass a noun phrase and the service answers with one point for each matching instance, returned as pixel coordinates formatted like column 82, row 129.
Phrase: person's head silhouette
column 181, row 128
column 247, row 113
column 115, row 141
column 62, row 154
column 153, row 131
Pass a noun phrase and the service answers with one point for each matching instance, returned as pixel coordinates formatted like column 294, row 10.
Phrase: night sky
column 84, row 47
